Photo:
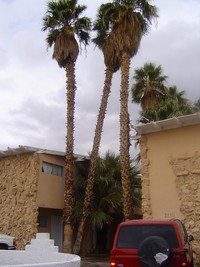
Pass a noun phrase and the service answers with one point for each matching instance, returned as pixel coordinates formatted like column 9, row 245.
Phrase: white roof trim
column 176, row 122
column 28, row 149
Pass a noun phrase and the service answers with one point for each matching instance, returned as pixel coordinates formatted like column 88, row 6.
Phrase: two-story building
column 32, row 192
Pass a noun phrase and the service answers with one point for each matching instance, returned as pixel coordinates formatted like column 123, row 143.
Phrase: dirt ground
column 95, row 262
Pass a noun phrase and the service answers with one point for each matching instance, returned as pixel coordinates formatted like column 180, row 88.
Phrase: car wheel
column 3, row 246
column 154, row 251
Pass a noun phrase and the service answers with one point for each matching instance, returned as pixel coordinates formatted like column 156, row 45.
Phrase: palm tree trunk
column 125, row 139
column 93, row 160
column 68, row 205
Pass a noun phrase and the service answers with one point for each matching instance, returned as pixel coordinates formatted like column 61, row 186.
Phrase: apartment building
column 32, row 192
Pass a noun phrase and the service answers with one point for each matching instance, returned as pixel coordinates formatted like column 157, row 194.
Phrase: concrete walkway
column 95, row 262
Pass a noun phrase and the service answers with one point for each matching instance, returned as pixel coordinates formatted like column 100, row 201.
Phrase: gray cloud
column 32, row 86
column 38, row 123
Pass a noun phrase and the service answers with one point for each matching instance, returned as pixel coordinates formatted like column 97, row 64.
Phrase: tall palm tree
column 149, row 86
column 130, row 20
column 63, row 23
column 112, row 62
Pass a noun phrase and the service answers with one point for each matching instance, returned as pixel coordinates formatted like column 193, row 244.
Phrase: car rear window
column 131, row 236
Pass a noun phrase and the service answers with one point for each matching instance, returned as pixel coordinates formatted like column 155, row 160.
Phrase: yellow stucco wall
column 171, row 177
column 50, row 187
column 161, row 148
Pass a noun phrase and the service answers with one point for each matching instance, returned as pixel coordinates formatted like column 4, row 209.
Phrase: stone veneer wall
column 146, row 196
column 187, row 171
column 18, row 193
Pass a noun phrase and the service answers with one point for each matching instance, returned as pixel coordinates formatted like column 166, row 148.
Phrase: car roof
column 149, row 221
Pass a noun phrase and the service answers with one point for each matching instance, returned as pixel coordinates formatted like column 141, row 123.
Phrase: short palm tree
column 63, row 23
column 112, row 62
column 107, row 191
column 129, row 21
column 196, row 106
column 181, row 105
column 172, row 104
column 149, row 85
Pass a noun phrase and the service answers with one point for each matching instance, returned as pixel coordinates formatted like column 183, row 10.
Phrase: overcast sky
column 32, row 86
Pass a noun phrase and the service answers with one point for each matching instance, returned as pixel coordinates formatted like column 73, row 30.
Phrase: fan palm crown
column 126, row 21
column 104, row 40
column 149, row 85
column 63, row 22
column 173, row 104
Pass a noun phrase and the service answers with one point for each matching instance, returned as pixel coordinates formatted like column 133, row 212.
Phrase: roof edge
column 28, row 149
column 172, row 123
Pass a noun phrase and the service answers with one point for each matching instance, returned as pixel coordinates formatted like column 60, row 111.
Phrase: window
column 132, row 236
column 183, row 231
column 42, row 221
column 52, row 169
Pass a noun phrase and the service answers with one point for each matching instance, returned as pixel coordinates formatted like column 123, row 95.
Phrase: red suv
column 152, row 243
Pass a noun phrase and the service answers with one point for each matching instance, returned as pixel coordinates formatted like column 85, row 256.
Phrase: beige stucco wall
column 50, row 187
column 171, row 176
column 24, row 188
column 18, row 193
column 26, row 191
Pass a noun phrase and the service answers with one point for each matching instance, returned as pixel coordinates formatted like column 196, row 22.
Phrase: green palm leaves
column 149, row 85
column 64, row 24
column 124, row 22
column 107, row 200
column 158, row 101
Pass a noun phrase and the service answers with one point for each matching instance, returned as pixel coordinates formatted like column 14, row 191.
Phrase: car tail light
column 113, row 261
column 180, row 258
column 183, row 258
column 14, row 242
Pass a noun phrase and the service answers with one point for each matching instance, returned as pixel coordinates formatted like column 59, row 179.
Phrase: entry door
column 57, row 230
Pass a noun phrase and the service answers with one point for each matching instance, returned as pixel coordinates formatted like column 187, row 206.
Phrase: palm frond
column 52, row 36
column 149, row 85
column 64, row 25
column 99, row 218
